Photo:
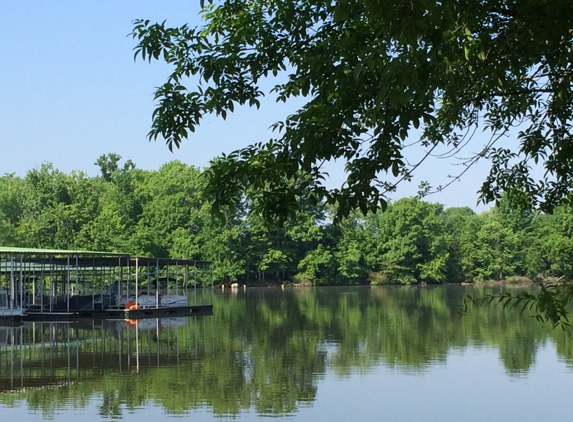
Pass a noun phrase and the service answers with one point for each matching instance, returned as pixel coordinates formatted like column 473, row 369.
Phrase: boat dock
column 58, row 285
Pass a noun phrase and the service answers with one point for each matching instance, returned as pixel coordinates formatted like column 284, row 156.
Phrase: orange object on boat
column 131, row 305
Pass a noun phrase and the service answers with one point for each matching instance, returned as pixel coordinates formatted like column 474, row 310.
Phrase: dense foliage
column 162, row 213
column 376, row 79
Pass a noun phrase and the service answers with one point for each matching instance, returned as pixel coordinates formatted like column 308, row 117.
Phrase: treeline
column 163, row 213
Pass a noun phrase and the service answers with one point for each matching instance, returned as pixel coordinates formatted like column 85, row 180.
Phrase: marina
column 60, row 285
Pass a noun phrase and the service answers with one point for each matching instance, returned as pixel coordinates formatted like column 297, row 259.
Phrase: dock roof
column 91, row 259
column 32, row 251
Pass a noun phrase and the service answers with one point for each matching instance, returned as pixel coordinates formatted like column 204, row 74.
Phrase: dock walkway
column 192, row 310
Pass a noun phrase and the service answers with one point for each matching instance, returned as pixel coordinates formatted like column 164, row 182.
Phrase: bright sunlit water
column 324, row 354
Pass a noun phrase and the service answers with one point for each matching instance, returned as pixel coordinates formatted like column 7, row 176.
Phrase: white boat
column 151, row 301
column 11, row 312
column 6, row 310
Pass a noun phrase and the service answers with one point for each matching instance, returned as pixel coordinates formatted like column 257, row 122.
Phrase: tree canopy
column 162, row 213
column 377, row 76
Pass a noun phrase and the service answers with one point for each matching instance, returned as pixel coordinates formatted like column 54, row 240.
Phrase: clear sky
column 71, row 92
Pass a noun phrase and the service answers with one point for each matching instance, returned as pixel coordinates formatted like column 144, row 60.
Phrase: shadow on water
column 264, row 350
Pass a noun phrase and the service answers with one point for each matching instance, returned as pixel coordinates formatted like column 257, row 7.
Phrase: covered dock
column 62, row 285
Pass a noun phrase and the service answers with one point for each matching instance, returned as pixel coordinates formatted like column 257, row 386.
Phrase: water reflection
column 47, row 354
column 266, row 351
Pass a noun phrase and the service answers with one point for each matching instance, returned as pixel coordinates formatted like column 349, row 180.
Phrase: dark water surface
column 325, row 354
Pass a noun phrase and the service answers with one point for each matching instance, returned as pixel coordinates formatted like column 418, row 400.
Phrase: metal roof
column 32, row 262
column 97, row 263
column 31, row 251
column 37, row 258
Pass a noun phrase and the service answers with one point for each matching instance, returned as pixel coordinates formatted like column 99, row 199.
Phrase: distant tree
column 456, row 222
column 411, row 243
column 108, row 164
column 11, row 208
column 352, row 248
column 556, row 243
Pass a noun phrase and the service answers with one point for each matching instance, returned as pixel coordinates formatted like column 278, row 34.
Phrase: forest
column 163, row 213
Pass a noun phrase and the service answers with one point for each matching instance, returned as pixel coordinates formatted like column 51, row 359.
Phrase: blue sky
column 71, row 92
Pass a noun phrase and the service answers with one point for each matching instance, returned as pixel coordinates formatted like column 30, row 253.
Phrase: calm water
column 327, row 354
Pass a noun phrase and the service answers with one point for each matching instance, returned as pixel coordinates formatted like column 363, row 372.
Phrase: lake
column 316, row 354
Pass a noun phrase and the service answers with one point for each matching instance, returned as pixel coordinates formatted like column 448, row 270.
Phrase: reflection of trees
column 263, row 350
column 413, row 327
